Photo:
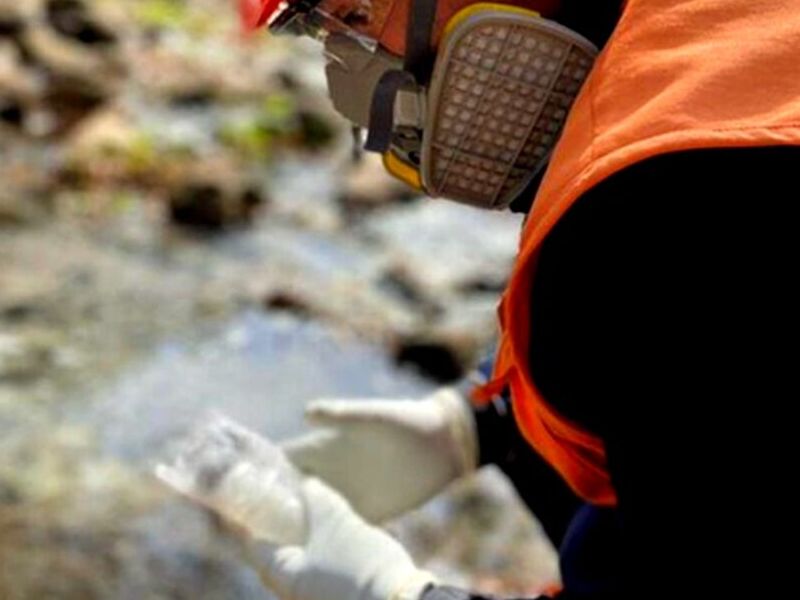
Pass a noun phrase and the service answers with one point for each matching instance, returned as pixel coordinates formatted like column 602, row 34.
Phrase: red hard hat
column 255, row 13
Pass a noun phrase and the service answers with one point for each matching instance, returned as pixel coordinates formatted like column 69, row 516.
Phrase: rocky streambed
column 199, row 237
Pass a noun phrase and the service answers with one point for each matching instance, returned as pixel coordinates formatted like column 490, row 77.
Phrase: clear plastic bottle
column 241, row 475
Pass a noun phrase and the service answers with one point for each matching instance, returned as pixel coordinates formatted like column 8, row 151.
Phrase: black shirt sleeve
column 539, row 486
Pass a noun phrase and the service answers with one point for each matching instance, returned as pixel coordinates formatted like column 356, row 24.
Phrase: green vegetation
column 162, row 13
column 278, row 121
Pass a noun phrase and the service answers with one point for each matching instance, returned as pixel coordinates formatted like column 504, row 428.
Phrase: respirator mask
column 471, row 114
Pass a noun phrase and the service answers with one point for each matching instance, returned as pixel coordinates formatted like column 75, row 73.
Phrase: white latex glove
column 387, row 457
column 343, row 558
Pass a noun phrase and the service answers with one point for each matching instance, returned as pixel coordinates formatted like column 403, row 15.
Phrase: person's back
column 664, row 319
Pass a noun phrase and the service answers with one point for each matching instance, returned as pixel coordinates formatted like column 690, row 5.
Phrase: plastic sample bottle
column 241, row 475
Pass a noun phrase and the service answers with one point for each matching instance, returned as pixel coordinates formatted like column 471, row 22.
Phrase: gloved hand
column 343, row 558
column 387, row 457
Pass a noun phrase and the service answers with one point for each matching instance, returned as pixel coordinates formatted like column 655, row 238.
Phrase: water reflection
column 259, row 369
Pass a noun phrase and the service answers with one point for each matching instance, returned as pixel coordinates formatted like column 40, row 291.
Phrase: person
column 640, row 394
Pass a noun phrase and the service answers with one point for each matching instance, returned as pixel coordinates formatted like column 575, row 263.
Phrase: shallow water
column 258, row 369
column 117, row 331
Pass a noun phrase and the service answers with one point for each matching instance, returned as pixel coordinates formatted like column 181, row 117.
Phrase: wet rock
column 15, row 13
column 208, row 206
column 197, row 98
column 347, row 302
column 169, row 74
column 484, row 285
column 14, row 78
column 198, row 205
column 175, row 72
column 72, row 19
column 107, row 131
column 315, row 131
column 11, row 112
column 87, row 528
column 68, row 57
column 303, row 301
column 445, row 246
column 105, row 148
column 398, row 282
column 108, row 150
column 208, row 188
column 288, row 81
column 445, row 347
column 482, row 527
column 286, row 301
column 23, row 359
column 18, row 87
column 16, row 313
column 433, row 358
column 65, row 104
column 24, row 295
column 279, row 123
column 58, row 62
column 11, row 24
column 27, row 181
column 368, row 186
column 8, row 495
column 49, row 80
column 19, row 209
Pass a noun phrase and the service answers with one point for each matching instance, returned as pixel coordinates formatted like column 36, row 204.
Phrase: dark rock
column 75, row 61
column 197, row 98
column 316, row 132
column 71, row 19
column 23, row 360
column 250, row 200
column 198, row 206
column 435, row 360
column 16, row 313
column 368, row 186
column 288, row 81
column 8, row 495
column 26, row 56
column 18, row 209
column 70, row 100
column 210, row 207
column 10, row 26
column 397, row 282
column 484, row 285
column 11, row 112
column 283, row 301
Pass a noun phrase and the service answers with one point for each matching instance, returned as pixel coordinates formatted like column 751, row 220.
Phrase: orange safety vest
column 675, row 75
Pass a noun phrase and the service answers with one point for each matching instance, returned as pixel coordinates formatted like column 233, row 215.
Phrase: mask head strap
column 417, row 67
column 419, row 55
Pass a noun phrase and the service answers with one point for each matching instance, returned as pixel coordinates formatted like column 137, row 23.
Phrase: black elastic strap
column 381, row 112
column 417, row 67
column 419, row 52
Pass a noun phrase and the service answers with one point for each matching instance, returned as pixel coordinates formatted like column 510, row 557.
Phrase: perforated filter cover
column 502, row 86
